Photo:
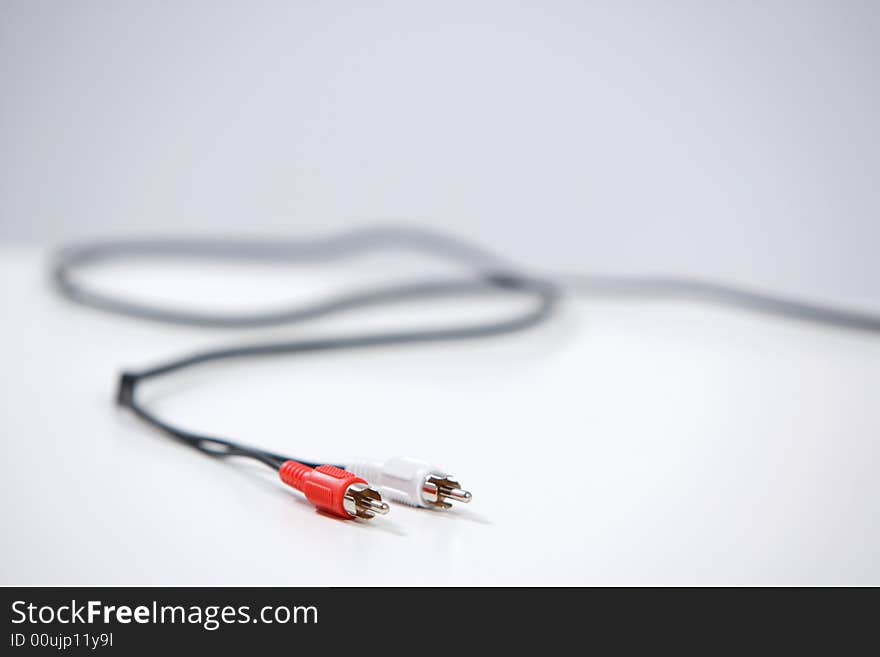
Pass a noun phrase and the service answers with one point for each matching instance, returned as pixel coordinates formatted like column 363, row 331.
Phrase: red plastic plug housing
column 334, row 490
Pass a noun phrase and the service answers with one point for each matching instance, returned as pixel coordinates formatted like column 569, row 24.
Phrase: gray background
column 731, row 139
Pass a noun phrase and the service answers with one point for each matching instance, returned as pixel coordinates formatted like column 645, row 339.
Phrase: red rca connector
column 334, row 490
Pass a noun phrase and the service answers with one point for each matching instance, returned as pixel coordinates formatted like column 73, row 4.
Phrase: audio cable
column 338, row 489
column 356, row 489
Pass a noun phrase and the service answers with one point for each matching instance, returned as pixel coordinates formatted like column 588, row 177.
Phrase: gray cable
column 479, row 263
column 723, row 293
column 483, row 274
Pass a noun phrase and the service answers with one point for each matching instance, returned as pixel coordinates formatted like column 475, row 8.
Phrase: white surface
column 621, row 443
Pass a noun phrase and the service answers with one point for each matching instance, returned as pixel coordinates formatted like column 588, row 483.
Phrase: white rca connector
column 411, row 481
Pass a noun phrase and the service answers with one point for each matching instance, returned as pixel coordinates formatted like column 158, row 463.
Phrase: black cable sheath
column 483, row 274
column 545, row 299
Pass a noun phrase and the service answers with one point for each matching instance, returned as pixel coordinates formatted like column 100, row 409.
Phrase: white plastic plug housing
column 411, row 481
